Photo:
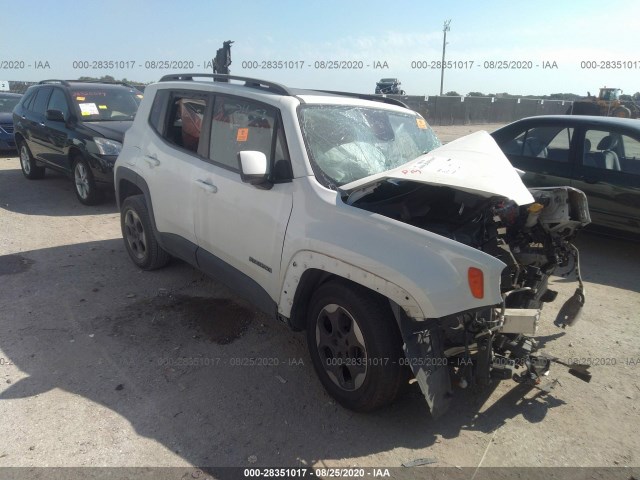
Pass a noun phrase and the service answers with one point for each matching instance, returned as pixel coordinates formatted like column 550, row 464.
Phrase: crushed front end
column 491, row 343
column 498, row 343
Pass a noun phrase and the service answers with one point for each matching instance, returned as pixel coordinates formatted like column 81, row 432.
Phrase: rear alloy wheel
column 355, row 345
column 85, row 186
column 139, row 238
column 28, row 164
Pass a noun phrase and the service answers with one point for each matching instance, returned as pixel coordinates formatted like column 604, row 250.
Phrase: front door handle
column 209, row 187
column 152, row 160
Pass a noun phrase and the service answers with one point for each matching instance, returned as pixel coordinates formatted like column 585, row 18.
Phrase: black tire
column 30, row 169
column 350, row 323
column 84, row 184
column 139, row 237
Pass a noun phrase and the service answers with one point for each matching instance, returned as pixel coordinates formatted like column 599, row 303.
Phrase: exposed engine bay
column 534, row 242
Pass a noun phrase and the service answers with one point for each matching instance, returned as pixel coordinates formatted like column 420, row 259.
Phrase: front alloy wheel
column 86, row 189
column 341, row 347
column 355, row 345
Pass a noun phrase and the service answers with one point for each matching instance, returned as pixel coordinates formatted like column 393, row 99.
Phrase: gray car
column 598, row 155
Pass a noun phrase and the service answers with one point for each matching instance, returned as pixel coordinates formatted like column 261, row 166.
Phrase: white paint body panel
column 240, row 221
column 430, row 268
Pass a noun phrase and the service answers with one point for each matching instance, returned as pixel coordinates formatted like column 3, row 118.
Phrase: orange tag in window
column 243, row 134
column 422, row 123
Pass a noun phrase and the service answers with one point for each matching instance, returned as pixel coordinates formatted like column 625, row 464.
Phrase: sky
column 377, row 39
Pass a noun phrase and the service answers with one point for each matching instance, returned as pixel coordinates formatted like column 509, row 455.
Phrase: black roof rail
column 366, row 96
column 108, row 82
column 249, row 82
column 67, row 83
column 61, row 82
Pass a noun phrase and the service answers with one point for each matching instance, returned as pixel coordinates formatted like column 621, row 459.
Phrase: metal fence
column 477, row 110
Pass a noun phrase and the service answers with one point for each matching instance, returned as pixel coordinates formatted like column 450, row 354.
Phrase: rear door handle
column 152, row 160
column 209, row 187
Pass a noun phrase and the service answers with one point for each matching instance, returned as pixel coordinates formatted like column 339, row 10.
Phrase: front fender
column 307, row 259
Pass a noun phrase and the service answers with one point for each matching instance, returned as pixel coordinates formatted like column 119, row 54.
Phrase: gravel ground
column 104, row 365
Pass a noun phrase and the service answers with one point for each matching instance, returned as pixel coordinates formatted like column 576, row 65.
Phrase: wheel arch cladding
column 308, row 269
column 133, row 184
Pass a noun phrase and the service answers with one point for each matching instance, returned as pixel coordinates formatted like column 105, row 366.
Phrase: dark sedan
column 7, row 102
column 598, row 155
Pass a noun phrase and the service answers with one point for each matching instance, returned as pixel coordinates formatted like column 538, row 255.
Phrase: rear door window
column 39, row 104
column 610, row 150
column 185, row 117
column 549, row 142
column 28, row 98
column 630, row 155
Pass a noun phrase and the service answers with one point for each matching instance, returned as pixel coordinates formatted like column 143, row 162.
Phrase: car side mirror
column 253, row 168
column 55, row 116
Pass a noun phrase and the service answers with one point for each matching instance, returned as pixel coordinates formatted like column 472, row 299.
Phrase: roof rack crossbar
column 366, row 96
column 249, row 82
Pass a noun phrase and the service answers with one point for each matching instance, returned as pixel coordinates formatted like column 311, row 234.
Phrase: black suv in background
column 74, row 127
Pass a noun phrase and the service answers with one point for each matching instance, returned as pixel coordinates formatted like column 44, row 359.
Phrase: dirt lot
column 104, row 365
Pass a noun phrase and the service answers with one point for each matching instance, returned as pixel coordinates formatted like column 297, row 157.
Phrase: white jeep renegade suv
column 342, row 215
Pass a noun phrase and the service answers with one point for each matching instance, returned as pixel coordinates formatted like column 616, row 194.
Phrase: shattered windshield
column 348, row 143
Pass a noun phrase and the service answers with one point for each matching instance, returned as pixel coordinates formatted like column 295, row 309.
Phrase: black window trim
column 280, row 134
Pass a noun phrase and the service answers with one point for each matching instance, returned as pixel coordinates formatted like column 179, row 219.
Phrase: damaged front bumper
column 481, row 346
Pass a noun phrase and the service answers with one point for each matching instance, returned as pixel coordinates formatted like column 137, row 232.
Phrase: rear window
column 108, row 104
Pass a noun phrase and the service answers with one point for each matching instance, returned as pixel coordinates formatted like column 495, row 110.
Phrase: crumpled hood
column 473, row 164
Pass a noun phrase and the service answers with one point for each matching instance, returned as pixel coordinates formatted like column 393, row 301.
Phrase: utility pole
column 445, row 29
